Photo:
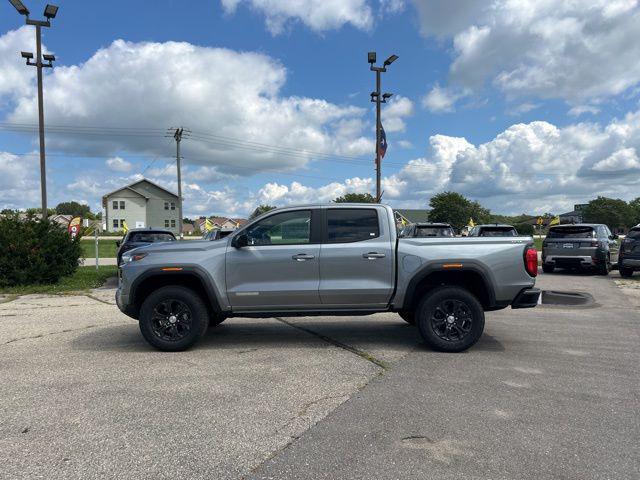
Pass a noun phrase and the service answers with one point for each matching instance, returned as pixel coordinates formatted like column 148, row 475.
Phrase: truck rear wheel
column 626, row 272
column 173, row 318
column 450, row 319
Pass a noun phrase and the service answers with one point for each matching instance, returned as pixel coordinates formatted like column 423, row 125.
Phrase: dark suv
column 629, row 260
column 582, row 245
column 141, row 237
column 424, row 230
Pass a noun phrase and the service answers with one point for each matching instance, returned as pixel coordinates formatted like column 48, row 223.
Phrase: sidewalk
column 91, row 262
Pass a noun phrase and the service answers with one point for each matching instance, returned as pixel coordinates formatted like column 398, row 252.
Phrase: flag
column 125, row 228
column 555, row 221
column 208, row 226
column 471, row 223
column 382, row 142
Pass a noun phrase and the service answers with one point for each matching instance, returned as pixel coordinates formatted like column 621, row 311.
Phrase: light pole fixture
column 378, row 98
column 50, row 12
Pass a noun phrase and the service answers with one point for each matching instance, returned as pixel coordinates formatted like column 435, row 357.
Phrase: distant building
column 221, row 223
column 575, row 216
column 141, row 204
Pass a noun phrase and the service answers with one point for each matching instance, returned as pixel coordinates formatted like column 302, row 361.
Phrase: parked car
column 338, row 259
column 583, row 245
column 217, row 233
column 141, row 237
column 422, row 230
column 494, row 230
column 629, row 259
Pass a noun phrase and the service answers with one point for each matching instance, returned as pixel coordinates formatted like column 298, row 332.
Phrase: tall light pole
column 177, row 134
column 50, row 12
column 378, row 98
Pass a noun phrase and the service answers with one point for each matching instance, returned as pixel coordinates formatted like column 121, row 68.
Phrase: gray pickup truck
column 338, row 259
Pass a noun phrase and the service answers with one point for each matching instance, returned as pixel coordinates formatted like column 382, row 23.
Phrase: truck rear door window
column 352, row 224
column 572, row 232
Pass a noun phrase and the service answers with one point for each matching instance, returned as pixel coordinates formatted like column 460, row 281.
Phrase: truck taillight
column 531, row 261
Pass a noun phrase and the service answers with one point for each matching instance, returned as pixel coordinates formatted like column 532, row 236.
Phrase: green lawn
column 538, row 243
column 84, row 279
column 106, row 248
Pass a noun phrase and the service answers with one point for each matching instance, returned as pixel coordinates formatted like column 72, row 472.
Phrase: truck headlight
column 132, row 257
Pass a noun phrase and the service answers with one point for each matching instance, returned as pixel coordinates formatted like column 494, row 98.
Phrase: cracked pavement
column 547, row 393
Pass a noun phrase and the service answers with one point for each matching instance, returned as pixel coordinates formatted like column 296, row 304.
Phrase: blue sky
column 524, row 106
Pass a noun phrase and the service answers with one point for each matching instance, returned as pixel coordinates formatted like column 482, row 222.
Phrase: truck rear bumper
column 527, row 298
column 629, row 262
column 569, row 261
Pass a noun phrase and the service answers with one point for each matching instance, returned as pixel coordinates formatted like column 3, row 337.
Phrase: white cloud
column 19, row 180
column 118, row 164
column 442, row 99
column 546, row 49
column 15, row 76
column 182, row 79
column 395, row 112
column 319, row 15
column 625, row 159
column 582, row 109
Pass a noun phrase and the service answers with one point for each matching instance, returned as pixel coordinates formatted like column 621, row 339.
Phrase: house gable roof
column 131, row 188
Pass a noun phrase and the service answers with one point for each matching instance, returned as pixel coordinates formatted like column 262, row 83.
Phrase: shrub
column 524, row 228
column 35, row 251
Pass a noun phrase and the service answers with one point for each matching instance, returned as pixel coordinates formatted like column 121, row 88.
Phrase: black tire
column 190, row 318
column 548, row 268
column 409, row 317
column 605, row 268
column 626, row 272
column 443, row 334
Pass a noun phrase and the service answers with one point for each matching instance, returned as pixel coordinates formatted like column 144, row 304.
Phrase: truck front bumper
column 527, row 298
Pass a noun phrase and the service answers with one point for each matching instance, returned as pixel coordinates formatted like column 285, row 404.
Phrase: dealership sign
column 74, row 226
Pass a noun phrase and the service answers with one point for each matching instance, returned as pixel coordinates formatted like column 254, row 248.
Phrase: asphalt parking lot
column 551, row 392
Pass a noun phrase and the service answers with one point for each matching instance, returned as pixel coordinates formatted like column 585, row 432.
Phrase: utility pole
column 378, row 98
column 177, row 134
column 50, row 12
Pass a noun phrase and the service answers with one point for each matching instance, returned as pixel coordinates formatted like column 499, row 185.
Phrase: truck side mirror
column 240, row 241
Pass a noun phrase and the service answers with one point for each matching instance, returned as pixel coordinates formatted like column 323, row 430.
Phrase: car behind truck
column 338, row 259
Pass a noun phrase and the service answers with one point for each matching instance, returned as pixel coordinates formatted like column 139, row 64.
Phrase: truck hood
column 179, row 247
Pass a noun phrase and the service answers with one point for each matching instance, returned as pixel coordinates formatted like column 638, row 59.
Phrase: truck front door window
column 287, row 228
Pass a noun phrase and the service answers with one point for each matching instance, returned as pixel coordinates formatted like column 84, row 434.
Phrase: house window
column 173, row 205
column 115, row 205
column 166, row 224
column 115, row 223
column 173, row 224
column 121, row 204
column 166, row 205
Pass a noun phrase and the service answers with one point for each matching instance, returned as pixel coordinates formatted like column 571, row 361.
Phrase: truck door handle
column 373, row 255
column 301, row 257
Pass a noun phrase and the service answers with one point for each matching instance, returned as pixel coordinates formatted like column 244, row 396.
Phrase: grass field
column 106, row 248
column 85, row 278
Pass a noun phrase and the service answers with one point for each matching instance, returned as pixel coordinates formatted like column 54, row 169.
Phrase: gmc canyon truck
column 338, row 259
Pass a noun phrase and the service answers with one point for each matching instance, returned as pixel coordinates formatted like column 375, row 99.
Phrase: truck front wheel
column 173, row 318
column 450, row 319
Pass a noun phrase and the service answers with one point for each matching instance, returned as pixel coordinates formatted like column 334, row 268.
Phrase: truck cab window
column 287, row 228
column 352, row 225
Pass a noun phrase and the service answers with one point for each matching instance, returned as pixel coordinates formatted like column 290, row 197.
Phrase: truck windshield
column 572, row 232
column 433, row 232
column 498, row 232
column 152, row 237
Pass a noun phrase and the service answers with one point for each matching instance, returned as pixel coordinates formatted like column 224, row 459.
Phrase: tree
column 613, row 212
column 356, row 198
column 455, row 209
column 260, row 209
column 635, row 211
column 73, row 208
